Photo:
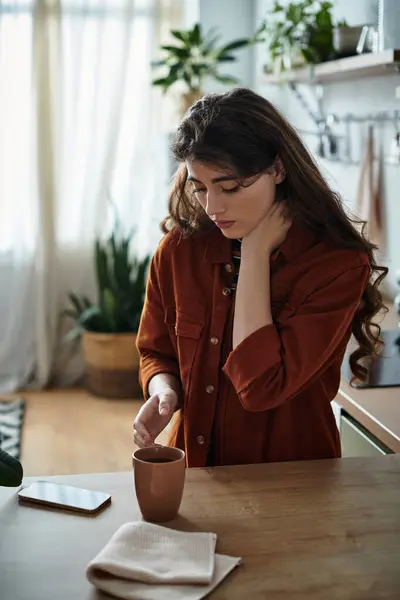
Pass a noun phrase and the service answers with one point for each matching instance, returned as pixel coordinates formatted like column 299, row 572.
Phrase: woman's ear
column 279, row 171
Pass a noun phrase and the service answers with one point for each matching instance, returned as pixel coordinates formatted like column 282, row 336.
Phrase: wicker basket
column 112, row 364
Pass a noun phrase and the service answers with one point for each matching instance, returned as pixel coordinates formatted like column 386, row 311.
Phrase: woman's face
column 235, row 209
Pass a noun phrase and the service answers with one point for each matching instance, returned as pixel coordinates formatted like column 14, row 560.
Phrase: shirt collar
column 298, row 239
column 219, row 248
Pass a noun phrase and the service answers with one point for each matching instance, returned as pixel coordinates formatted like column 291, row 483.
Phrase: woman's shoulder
column 314, row 250
column 339, row 257
column 181, row 258
column 176, row 243
column 326, row 262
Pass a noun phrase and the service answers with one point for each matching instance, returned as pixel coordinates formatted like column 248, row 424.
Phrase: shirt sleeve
column 156, row 351
column 274, row 363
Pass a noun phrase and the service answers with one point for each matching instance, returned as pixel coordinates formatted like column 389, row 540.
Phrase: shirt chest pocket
column 186, row 330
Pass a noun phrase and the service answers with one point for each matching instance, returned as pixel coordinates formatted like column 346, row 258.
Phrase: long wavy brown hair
column 245, row 134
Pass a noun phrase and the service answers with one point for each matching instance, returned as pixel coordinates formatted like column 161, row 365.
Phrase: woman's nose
column 215, row 205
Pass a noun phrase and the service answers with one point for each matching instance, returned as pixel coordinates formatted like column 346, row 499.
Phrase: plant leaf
column 234, row 46
column 277, row 7
column 294, row 13
column 195, row 35
column 101, row 266
column 72, row 314
column 158, row 63
column 87, row 302
column 186, row 77
column 163, row 81
column 110, row 306
column 76, row 303
column 227, row 79
column 121, row 282
column 88, row 314
column 226, row 58
column 73, row 334
column 176, row 51
column 120, row 263
column 210, row 42
column 323, row 20
column 174, row 71
column 180, row 35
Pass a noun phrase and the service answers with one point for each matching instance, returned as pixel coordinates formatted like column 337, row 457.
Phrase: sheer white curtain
column 18, row 198
column 79, row 127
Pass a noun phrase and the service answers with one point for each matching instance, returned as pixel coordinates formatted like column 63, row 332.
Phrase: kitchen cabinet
column 357, row 441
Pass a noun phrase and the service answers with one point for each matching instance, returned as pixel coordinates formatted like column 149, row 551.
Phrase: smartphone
column 65, row 497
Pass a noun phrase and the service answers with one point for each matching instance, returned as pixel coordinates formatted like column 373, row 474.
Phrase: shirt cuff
column 151, row 368
column 253, row 357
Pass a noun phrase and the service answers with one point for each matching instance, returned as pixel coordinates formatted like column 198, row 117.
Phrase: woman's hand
column 153, row 417
column 269, row 233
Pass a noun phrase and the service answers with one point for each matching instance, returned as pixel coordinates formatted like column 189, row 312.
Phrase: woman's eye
column 231, row 190
column 199, row 191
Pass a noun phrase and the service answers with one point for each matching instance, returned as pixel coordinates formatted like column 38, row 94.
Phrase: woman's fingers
column 141, row 431
column 139, row 441
column 153, row 417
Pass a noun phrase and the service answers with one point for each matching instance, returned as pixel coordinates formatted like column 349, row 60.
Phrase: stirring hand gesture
column 153, row 417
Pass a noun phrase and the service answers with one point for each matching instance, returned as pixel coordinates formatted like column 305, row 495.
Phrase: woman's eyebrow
column 216, row 179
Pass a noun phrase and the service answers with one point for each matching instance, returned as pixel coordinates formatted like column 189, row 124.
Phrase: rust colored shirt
column 269, row 399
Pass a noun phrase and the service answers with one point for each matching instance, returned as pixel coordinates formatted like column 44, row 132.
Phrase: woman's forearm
column 164, row 382
column 253, row 297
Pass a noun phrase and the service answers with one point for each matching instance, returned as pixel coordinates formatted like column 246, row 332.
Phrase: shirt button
column 214, row 341
column 209, row 389
column 200, row 439
column 226, row 291
column 228, row 268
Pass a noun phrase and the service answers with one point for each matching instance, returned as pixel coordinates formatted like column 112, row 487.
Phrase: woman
column 253, row 294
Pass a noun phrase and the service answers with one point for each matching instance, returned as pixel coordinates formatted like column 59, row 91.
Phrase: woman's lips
column 224, row 224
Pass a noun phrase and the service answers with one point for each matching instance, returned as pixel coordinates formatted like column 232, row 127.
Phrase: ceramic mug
column 159, row 475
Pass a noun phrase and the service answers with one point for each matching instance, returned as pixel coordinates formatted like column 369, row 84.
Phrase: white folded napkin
column 143, row 561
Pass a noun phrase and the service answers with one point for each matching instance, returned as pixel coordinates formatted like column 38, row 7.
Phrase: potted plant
column 193, row 58
column 298, row 33
column 346, row 39
column 108, row 327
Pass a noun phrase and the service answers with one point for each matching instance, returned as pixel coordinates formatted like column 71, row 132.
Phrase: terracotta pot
column 111, row 364
column 188, row 99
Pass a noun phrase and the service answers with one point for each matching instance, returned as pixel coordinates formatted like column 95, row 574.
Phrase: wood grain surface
column 321, row 530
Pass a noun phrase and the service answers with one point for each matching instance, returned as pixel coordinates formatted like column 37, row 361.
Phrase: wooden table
column 326, row 530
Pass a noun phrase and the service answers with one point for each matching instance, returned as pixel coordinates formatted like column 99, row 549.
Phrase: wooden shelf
column 363, row 65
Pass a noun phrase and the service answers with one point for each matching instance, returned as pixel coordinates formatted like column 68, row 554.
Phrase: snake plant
column 121, row 284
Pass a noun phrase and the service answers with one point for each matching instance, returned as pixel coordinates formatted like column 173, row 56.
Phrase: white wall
column 234, row 19
column 358, row 97
column 191, row 13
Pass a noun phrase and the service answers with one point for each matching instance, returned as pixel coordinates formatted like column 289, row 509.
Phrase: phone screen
column 64, row 496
